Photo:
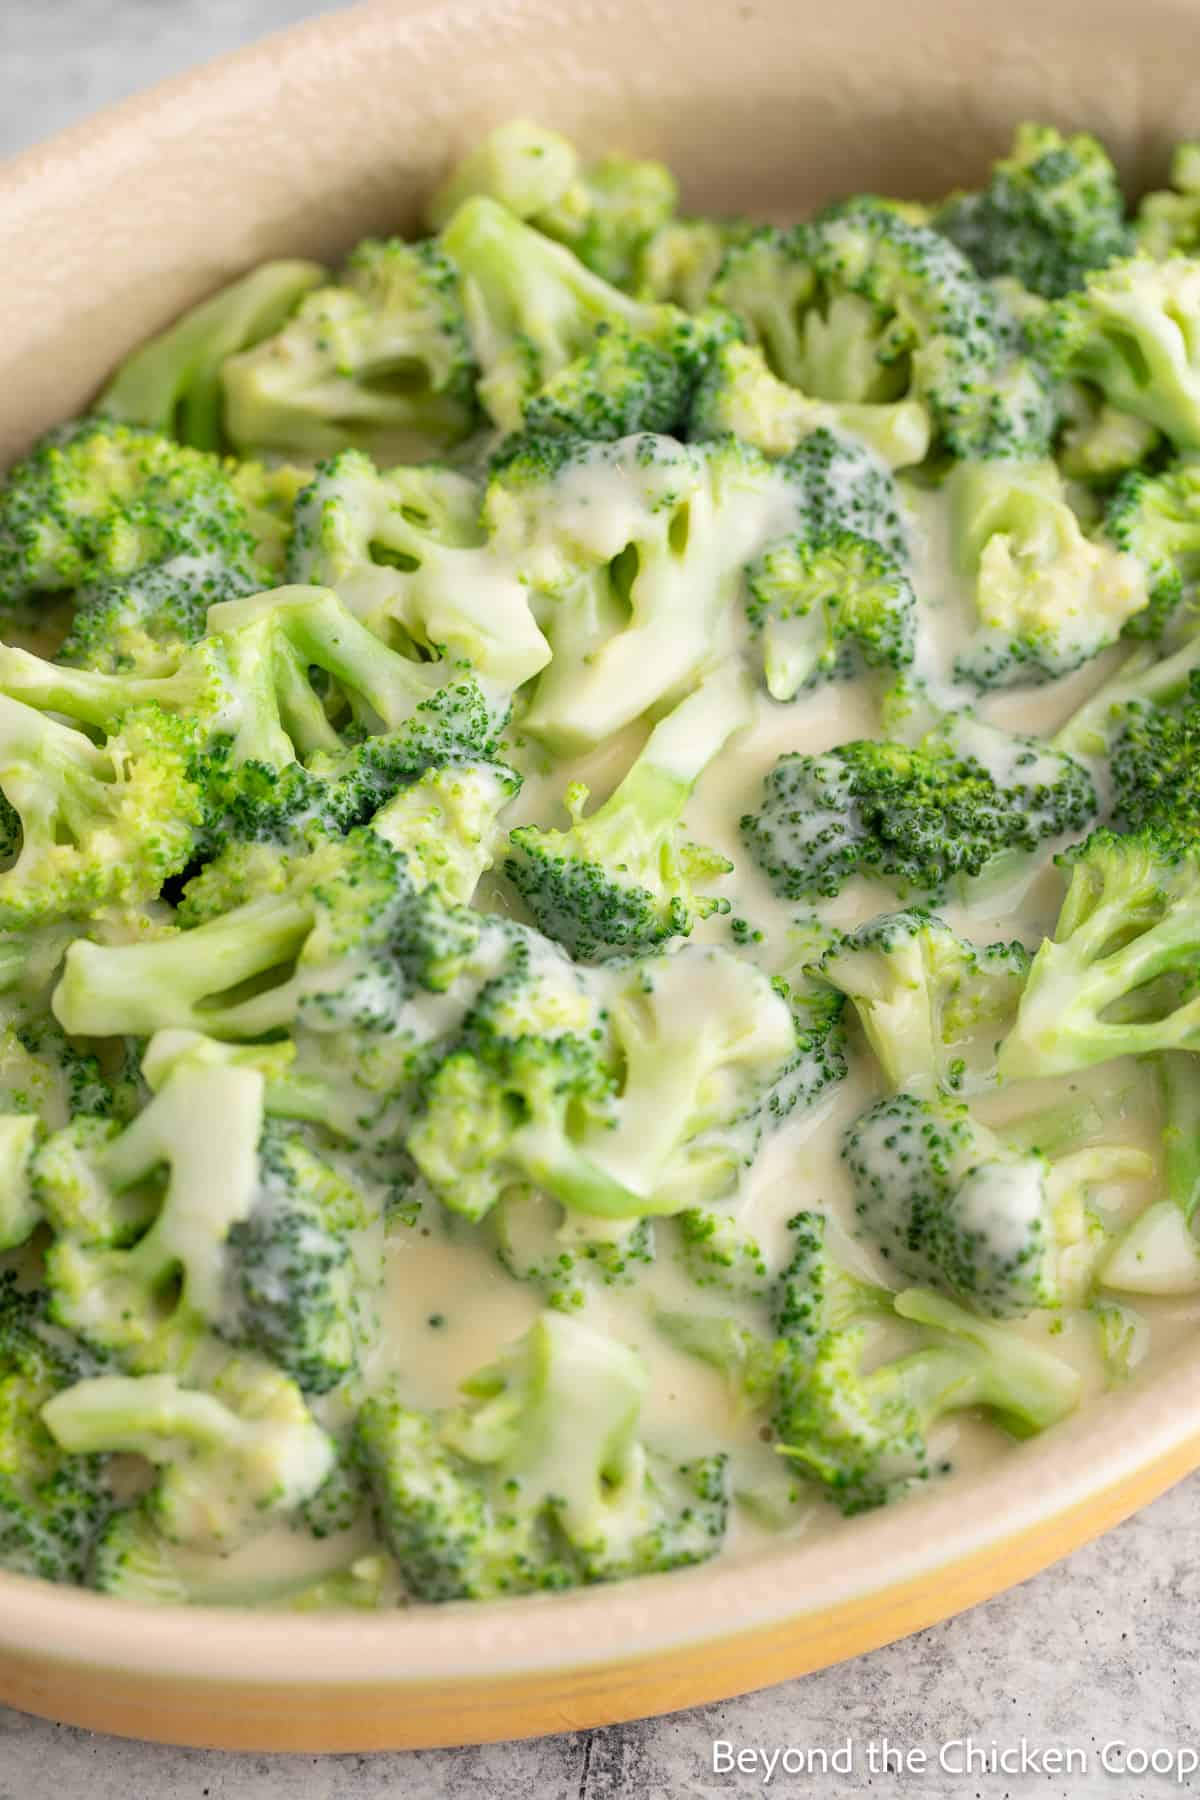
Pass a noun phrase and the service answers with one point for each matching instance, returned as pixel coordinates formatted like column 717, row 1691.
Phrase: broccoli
column 1048, row 598
column 962, row 1209
column 1117, row 978
column 446, row 824
column 144, row 534
column 567, row 1256
column 395, row 563
column 528, row 1094
column 865, row 306
column 637, row 596
column 619, row 881
column 172, row 383
column 380, row 361
column 87, row 825
column 1051, row 212
column 1155, row 519
column 1168, row 221
column 340, row 926
column 863, row 1436
column 930, row 1004
column 538, row 1481
column 1155, row 769
column 917, row 816
column 305, row 1261
column 1144, row 679
column 605, row 212
column 679, row 261
column 1131, row 333
column 738, row 393
column 1158, row 1253
column 559, row 348
column 52, row 1506
column 131, row 1277
column 235, row 1454
column 1097, row 442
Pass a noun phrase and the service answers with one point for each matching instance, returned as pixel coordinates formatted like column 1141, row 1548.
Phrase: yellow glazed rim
column 301, row 145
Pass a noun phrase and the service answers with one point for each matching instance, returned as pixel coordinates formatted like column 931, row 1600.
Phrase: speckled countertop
column 1094, row 1666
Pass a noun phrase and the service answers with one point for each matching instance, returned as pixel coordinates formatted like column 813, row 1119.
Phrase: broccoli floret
column 172, row 383
column 1131, row 333
column 680, row 260
column 380, row 361
column 528, row 1095
column 99, row 824
column 1144, row 679
column 235, row 1455
column 1155, row 519
column 447, row 824
column 131, row 1276
column 1051, row 212
column 863, row 1436
column 404, row 559
column 814, row 598
column 918, row 816
column 567, row 1256
column 931, row 1005
column 1168, row 221
column 619, row 881
column 605, row 212
column 959, row 1208
column 539, row 1481
column 1047, row 596
column 340, row 927
column 1155, row 766
column 867, row 307
column 305, row 1261
column 636, row 596
column 143, row 533
column 740, row 394
column 539, row 320
column 1098, row 443
column 52, row 1506
column 1159, row 1253
column 1118, row 976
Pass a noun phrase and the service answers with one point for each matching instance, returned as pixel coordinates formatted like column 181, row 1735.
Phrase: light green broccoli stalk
column 539, row 1481
column 380, row 361
column 172, row 382
column 1158, row 1253
column 1156, row 520
column 447, row 825
column 235, row 1456
column 974, row 1213
column 620, row 880
column 1047, row 597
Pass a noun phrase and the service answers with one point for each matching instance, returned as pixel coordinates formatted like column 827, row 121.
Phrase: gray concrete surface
column 1101, row 1651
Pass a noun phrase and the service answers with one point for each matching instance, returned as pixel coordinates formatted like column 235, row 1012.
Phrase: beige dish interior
column 303, row 145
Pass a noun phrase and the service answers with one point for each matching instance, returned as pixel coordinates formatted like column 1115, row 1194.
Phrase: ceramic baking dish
column 299, row 146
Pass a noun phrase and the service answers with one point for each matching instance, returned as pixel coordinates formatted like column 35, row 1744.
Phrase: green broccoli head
column 405, row 554
column 447, row 824
column 620, row 880
column 969, row 1212
column 1117, row 977
column 1155, row 765
column 172, row 383
column 539, row 1480
column 1168, row 220
column 1130, row 333
column 52, row 1505
column 1155, row 519
column 1047, row 596
column 235, row 1455
column 679, row 261
column 380, row 361
column 931, row 1005
column 868, row 307
column 1051, row 212
column 919, row 816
